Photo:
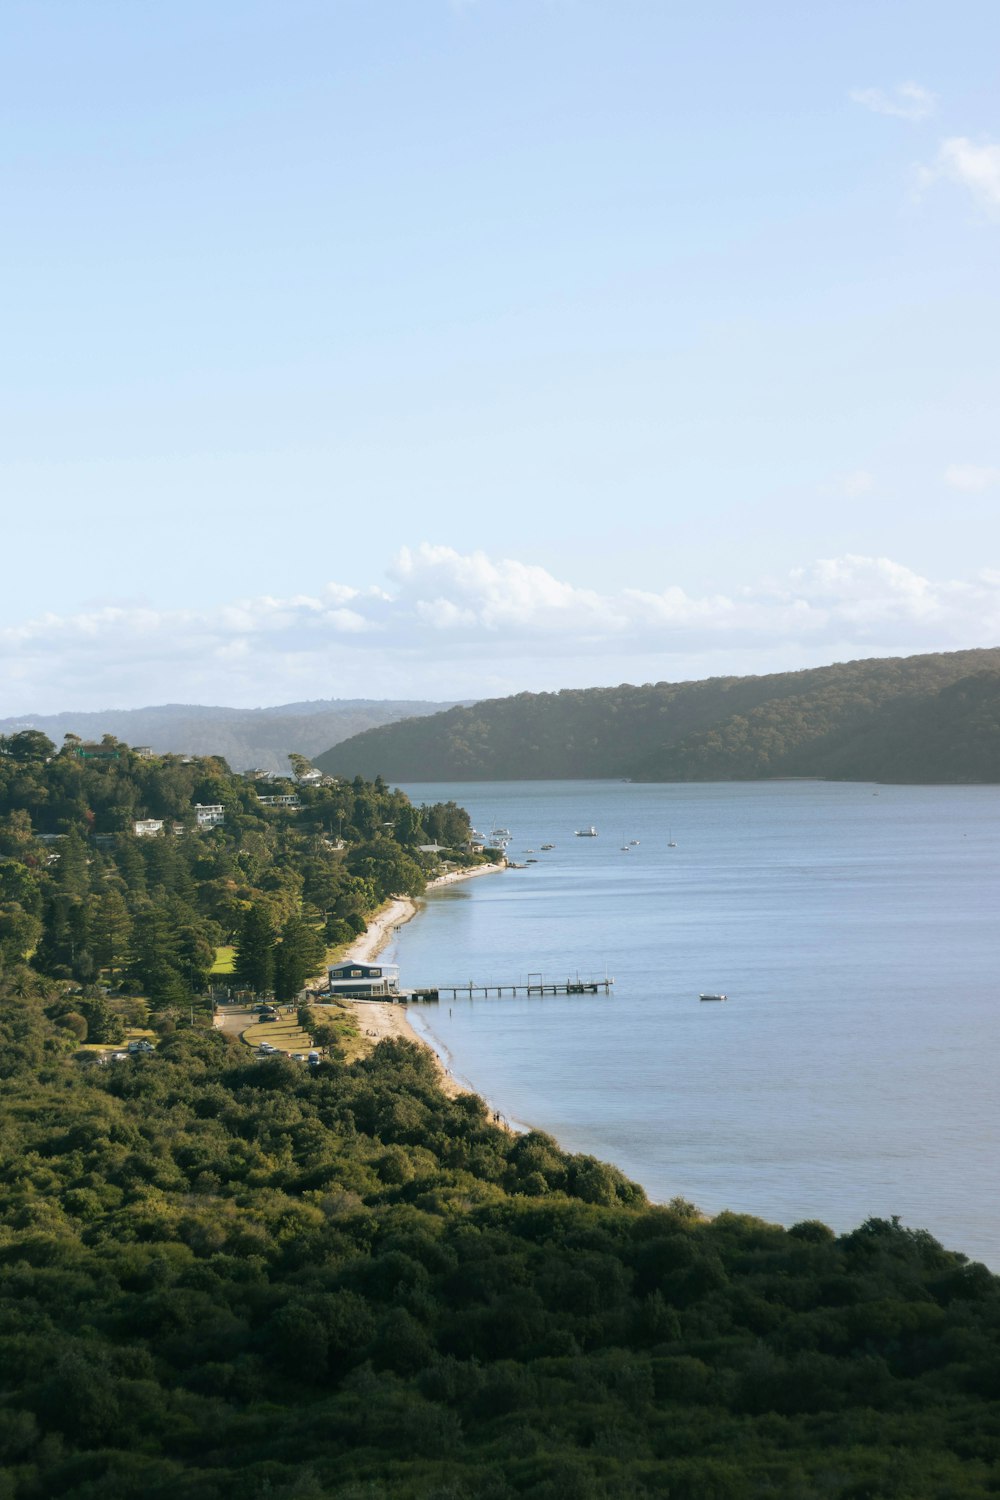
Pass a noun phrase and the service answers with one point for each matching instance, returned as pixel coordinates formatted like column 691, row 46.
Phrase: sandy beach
column 379, row 1019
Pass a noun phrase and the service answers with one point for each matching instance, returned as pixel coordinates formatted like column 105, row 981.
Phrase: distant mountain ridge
column 245, row 737
column 929, row 718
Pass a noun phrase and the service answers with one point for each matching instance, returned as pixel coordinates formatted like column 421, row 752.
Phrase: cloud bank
column 453, row 624
column 971, row 477
column 907, row 101
column 975, row 167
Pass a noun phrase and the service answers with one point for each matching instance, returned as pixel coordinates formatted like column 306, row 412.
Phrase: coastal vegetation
column 222, row 1277
column 919, row 718
column 155, row 877
column 225, row 1277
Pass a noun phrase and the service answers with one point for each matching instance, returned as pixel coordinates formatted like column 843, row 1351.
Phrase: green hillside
column 233, row 1277
column 917, row 718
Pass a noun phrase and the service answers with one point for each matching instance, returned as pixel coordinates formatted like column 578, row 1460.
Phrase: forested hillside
column 248, row 738
column 88, row 896
column 228, row 1277
column 918, row 718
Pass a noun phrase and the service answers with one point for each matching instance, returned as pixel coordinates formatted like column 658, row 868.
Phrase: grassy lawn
column 223, row 961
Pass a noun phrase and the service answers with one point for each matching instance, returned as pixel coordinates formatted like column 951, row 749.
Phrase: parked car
column 314, row 1059
column 265, row 1049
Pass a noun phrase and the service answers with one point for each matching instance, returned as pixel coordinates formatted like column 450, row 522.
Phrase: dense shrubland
column 222, row 1278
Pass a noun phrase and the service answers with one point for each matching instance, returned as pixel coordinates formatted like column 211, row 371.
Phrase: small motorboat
column 548, row 846
column 587, row 833
column 713, row 997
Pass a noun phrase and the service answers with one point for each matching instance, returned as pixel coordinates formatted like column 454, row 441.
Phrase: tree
column 103, row 1025
column 391, row 871
column 28, row 745
column 154, row 964
column 111, row 931
column 297, row 957
column 19, row 932
column 253, row 961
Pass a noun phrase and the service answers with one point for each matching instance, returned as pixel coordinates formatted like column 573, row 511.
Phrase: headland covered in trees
column 223, row 1277
column 933, row 718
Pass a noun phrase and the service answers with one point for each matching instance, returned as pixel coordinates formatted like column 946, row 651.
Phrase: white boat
column 587, row 833
column 713, row 997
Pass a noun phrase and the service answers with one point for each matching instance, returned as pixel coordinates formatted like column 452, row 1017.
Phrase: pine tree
column 253, row 961
column 111, row 930
column 297, row 957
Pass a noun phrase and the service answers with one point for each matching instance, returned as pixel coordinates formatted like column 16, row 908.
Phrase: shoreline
column 380, row 1020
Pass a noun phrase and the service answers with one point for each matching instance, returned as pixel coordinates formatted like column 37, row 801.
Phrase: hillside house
column 145, row 828
column 209, row 814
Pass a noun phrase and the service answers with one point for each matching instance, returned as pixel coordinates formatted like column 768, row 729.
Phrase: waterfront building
column 361, row 980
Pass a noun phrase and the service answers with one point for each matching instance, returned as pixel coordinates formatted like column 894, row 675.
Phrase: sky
column 455, row 348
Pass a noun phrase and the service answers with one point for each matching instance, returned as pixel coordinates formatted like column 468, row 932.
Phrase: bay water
column 851, row 1071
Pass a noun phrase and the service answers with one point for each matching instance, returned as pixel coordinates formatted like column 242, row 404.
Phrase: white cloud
column 457, row 624
column 907, row 101
column 971, row 477
column 972, row 166
column 858, row 482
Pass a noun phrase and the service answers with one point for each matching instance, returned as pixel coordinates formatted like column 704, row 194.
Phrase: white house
column 209, row 814
column 144, row 828
column 281, row 799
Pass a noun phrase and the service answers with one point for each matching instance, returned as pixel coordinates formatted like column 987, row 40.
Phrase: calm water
column 852, row 1071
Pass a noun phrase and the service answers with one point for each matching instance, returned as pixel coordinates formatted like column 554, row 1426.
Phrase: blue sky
column 455, row 347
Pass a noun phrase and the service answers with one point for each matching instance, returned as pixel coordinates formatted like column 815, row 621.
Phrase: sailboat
column 671, row 841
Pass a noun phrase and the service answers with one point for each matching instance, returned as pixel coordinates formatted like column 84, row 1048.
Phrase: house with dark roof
column 361, row 981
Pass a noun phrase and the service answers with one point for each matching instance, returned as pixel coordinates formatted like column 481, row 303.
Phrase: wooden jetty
column 535, row 985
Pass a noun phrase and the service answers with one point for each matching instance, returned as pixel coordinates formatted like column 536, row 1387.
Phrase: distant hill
column 246, row 737
column 917, row 718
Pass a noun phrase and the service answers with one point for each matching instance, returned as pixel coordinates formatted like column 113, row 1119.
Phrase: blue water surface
column 854, row 928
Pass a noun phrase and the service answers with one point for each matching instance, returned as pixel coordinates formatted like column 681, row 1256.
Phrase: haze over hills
column 918, row 718
column 245, row 737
